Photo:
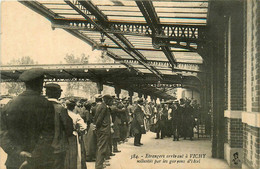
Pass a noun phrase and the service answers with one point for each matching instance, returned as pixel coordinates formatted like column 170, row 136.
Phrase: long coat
column 102, row 118
column 63, row 127
column 27, row 124
column 116, row 121
column 138, row 120
column 188, row 121
column 176, row 116
column 91, row 143
column 162, row 118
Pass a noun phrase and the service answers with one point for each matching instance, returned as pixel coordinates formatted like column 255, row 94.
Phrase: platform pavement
column 165, row 147
column 159, row 147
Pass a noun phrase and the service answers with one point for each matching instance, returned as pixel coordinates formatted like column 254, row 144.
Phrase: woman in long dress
column 75, row 158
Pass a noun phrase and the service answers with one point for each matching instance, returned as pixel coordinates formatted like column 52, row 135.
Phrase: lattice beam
column 180, row 66
column 82, row 10
column 182, row 33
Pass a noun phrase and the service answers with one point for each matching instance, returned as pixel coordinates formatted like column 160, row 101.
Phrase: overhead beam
column 84, row 72
column 148, row 11
column 161, row 62
column 165, row 49
column 130, row 46
column 199, row 7
column 121, row 60
column 5, row 76
column 103, row 19
column 182, row 33
column 65, row 71
column 101, row 26
column 90, row 7
column 169, row 56
column 164, row 65
column 22, row 68
column 42, row 10
column 146, row 49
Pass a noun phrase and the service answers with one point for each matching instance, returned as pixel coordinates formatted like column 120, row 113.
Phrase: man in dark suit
column 162, row 120
column 123, row 116
column 188, row 121
column 115, row 114
column 27, row 125
column 176, row 120
column 138, row 122
column 63, row 126
column 102, row 121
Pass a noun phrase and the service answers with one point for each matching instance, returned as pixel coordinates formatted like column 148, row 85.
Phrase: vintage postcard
column 169, row 67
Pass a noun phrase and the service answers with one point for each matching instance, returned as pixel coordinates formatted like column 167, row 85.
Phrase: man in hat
column 138, row 122
column 116, row 111
column 63, row 126
column 27, row 125
column 102, row 121
column 98, row 100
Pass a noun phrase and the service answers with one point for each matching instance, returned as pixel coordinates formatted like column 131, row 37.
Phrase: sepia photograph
column 130, row 84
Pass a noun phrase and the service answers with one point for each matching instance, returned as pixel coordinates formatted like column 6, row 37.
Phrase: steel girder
column 82, row 6
column 41, row 9
column 189, row 67
column 37, row 7
column 147, row 9
column 181, row 33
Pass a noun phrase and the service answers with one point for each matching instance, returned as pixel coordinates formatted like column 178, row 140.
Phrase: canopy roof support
column 150, row 39
column 147, row 9
column 87, row 5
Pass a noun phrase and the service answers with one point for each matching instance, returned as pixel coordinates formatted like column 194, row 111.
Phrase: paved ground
column 160, row 154
column 166, row 154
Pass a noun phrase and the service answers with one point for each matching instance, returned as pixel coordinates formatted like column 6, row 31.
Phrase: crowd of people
column 175, row 119
column 46, row 132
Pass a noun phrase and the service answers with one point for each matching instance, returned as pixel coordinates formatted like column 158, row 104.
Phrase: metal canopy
column 108, row 74
column 143, row 32
column 157, row 42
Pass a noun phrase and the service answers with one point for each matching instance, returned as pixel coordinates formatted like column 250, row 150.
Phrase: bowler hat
column 32, row 74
